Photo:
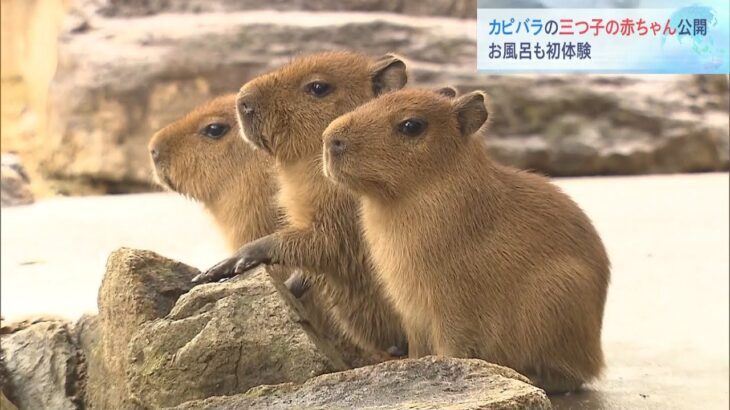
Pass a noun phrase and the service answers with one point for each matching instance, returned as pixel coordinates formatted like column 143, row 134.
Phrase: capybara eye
column 319, row 88
column 215, row 130
column 412, row 127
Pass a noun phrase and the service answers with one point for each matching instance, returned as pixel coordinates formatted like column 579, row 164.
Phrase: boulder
column 143, row 321
column 114, row 87
column 42, row 367
column 5, row 387
column 8, row 328
column 427, row 383
column 222, row 339
column 138, row 286
column 103, row 390
column 609, row 125
column 450, row 8
column 14, row 182
column 132, row 83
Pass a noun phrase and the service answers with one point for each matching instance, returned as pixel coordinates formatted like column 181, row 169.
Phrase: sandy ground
column 666, row 324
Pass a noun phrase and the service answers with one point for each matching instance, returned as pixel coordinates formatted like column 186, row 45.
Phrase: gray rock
column 138, row 286
column 451, row 8
column 609, row 125
column 141, row 286
column 222, row 339
column 100, row 385
column 43, row 367
column 112, row 102
column 428, row 383
column 14, row 182
column 102, row 389
column 5, row 387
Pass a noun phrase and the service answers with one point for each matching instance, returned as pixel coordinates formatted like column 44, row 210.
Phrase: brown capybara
column 284, row 113
column 202, row 156
column 481, row 260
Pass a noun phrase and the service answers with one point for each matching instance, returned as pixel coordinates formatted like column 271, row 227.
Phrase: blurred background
column 85, row 83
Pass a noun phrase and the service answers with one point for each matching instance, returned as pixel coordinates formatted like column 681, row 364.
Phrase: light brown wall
column 29, row 33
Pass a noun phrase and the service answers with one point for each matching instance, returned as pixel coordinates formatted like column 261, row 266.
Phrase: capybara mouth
column 252, row 134
column 164, row 180
column 169, row 183
column 333, row 170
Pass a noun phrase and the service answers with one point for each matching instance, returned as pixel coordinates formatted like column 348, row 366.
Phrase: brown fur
column 481, row 260
column 237, row 185
column 232, row 180
column 322, row 235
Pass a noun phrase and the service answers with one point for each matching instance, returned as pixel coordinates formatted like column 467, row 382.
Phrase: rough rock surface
column 102, row 389
column 14, row 182
column 43, row 368
column 428, row 383
column 138, row 286
column 453, row 8
column 598, row 125
column 223, row 339
column 133, row 82
column 5, row 387
column 114, row 87
column 154, row 345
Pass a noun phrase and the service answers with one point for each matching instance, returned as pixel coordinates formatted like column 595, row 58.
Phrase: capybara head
column 285, row 111
column 401, row 140
column 202, row 152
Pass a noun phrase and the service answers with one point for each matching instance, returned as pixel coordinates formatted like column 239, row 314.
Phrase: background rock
column 606, row 125
column 222, row 339
column 44, row 369
column 138, row 286
column 114, row 87
column 131, row 83
column 428, row 383
column 14, row 182
column 129, row 8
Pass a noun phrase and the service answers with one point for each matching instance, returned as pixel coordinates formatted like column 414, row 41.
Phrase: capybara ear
column 388, row 74
column 471, row 112
column 449, row 92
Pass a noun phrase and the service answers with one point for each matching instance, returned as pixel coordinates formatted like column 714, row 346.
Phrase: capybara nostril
column 245, row 104
column 155, row 154
column 337, row 147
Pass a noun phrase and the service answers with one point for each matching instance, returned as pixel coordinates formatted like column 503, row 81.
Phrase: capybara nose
column 337, row 147
column 155, row 154
column 245, row 104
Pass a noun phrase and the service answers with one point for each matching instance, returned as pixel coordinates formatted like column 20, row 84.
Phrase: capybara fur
column 481, row 260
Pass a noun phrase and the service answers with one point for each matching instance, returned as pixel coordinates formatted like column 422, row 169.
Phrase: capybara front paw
column 248, row 257
column 222, row 270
